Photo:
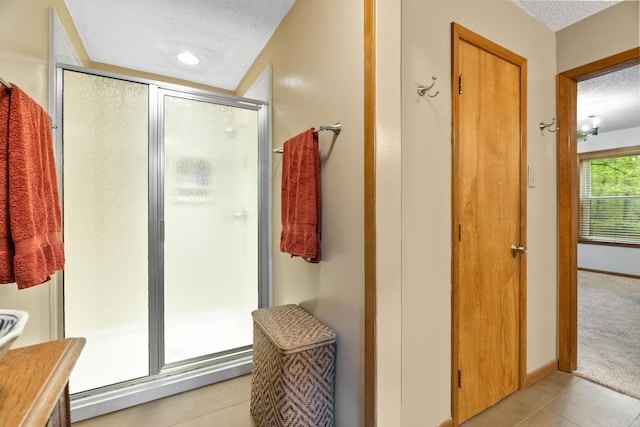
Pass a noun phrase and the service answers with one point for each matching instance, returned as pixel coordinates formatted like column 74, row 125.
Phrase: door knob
column 515, row 249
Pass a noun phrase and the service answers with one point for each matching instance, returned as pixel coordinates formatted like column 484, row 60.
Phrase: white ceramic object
column 12, row 323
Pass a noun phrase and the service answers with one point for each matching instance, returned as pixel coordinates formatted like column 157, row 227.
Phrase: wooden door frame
column 567, row 184
column 458, row 33
column 370, row 287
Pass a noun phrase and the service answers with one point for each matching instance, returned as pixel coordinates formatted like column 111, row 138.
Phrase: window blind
column 610, row 199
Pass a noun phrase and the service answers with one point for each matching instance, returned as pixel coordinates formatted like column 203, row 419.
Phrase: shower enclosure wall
column 165, row 212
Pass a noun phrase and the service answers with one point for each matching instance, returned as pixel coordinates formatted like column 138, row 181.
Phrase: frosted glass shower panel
column 105, row 227
column 211, row 227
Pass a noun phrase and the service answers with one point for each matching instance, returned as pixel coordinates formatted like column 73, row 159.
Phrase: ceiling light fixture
column 188, row 58
column 587, row 132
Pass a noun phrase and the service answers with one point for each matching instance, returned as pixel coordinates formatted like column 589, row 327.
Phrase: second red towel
column 301, row 207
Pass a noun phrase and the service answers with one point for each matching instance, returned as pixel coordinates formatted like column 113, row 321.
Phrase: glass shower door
column 166, row 225
column 105, row 173
column 210, row 226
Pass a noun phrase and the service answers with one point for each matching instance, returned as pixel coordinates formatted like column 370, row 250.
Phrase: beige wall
column 317, row 68
column 611, row 31
column 422, row 300
column 317, row 79
column 388, row 213
column 317, row 63
column 24, row 56
column 24, row 60
column 416, row 290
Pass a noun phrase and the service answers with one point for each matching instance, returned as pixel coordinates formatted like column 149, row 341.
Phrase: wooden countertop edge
column 55, row 385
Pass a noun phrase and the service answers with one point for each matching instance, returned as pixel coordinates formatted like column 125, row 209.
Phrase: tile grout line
column 547, row 404
column 206, row 415
column 210, row 411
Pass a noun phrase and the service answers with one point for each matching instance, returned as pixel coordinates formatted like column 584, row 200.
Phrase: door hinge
column 459, row 378
column 459, row 232
column 460, row 84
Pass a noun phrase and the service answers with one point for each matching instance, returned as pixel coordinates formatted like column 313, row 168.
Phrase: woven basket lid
column 292, row 329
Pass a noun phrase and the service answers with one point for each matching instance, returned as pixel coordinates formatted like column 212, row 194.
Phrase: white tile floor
column 560, row 400
column 224, row 404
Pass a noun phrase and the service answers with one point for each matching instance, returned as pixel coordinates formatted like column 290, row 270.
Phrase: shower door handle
column 244, row 215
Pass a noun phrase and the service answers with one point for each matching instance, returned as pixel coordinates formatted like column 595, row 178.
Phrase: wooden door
column 488, row 218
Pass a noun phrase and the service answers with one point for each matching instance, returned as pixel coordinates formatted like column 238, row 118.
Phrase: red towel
column 301, row 208
column 6, row 244
column 30, row 218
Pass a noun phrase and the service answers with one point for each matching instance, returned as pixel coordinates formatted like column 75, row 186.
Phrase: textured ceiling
column 613, row 98
column 146, row 35
column 558, row 14
column 227, row 35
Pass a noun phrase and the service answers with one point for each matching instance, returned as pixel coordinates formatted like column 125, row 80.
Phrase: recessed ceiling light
column 188, row 58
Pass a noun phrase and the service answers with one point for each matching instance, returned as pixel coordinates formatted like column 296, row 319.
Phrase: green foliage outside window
column 610, row 199
column 616, row 176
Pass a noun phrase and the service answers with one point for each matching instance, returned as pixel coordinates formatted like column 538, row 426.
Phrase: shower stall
column 166, row 226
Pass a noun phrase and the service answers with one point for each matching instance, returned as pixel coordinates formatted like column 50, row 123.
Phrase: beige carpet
column 609, row 331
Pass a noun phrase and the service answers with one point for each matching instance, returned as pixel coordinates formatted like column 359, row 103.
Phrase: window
column 610, row 196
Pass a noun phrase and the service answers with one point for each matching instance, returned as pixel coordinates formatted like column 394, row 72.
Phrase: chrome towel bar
column 335, row 128
column 5, row 84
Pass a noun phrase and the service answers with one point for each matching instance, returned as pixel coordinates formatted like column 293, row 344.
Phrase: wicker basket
column 293, row 369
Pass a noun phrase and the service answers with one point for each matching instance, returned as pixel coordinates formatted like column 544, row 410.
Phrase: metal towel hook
column 422, row 90
column 542, row 126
